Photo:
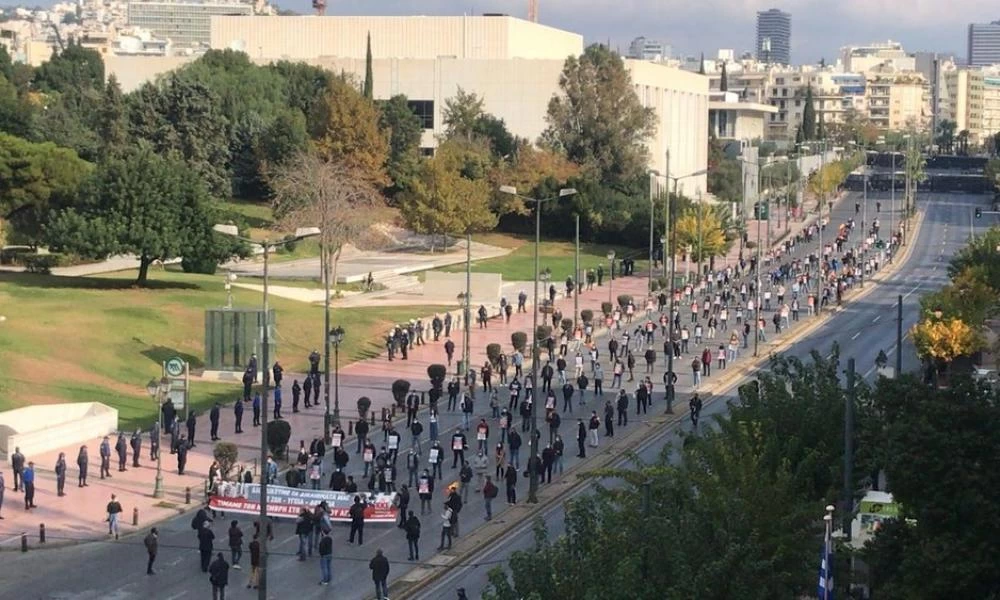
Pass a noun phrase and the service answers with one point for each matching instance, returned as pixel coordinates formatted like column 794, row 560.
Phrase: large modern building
column 984, row 44
column 187, row 24
column 961, row 100
column 774, row 36
column 514, row 65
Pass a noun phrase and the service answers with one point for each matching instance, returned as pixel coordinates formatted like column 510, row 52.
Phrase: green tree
column 15, row 113
column 154, row 207
column 781, row 446
column 725, row 175
column 305, row 85
column 946, row 135
column 701, row 229
column 460, row 114
column 448, row 196
column 369, row 88
column 75, row 68
column 597, row 120
column 941, row 452
column 34, row 179
column 285, row 137
column 724, row 79
column 405, row 129
column 112, row 125
column 504, row 144
column 979, row 257
column 345, row 129
column 181, row 116
column 809, row 116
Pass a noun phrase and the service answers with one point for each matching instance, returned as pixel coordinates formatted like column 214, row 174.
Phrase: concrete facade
column 185, row 24
column 730, row 119
column 962, row 92
column 774, row 36
column 38, row 429
column 512, row 64
column 308, row 38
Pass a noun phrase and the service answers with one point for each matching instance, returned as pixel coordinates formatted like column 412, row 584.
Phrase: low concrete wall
column 38, row 429
column 445, row 287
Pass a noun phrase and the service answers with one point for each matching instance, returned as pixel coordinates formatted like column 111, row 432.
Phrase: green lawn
column 101, row 339
column 256, row 218
column 558, row 257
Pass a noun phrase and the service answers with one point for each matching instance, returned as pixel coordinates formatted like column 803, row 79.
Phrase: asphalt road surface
column 115, row 570
column 861, row 330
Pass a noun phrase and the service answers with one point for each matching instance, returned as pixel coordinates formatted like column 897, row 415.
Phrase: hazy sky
column 819, row 28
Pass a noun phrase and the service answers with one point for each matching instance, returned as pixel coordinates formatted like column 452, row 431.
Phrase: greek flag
column 825, row 590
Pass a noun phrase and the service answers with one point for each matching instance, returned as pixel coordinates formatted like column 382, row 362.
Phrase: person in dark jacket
column 121, row 448
column 192, row 420
column 61, row 474
column 182, row 455
column 152, row 545
column 357, row 513
column 105, row 450
column 205, row 538
column 218, row 575
column 325, row 559
column 213, row 418
column 238, row 413
column 81, row 462
column 136, row 444
column 581, row 438
column 412, row 528
column 254, row 561
column 380, row 574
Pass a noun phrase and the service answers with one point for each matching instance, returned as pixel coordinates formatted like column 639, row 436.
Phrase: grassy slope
column 101, row 339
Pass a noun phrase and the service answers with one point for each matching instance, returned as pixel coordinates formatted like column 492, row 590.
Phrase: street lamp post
column 564, row 192
column 611, row 273
column 267, row 246
column 335, row 337
column 819, row 228
column 157, row 391
column 668, row 237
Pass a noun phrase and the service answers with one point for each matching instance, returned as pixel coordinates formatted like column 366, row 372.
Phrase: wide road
column 861, row 330
column 115, row 570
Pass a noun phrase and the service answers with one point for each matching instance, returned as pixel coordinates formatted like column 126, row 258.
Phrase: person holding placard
column 459, row 445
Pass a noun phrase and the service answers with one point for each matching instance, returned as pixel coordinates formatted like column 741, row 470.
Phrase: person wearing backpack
column 465, row 476
column 412, row 529
column 490, row 491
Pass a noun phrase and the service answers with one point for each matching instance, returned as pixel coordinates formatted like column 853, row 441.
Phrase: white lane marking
column 855, row 336
column 875, row 320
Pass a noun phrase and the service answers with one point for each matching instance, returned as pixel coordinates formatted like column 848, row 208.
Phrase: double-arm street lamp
column 611, row 275
column 335, row 337
column 672, row 239
column 158, row 390
column 267, row 246
column 564, row 192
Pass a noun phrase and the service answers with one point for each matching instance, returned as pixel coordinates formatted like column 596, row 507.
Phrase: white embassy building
column 514, row 65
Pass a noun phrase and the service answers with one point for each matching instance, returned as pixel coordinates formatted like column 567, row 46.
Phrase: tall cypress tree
column 368, row 91
column 809, row 117
column 724, row 81
column 701, row 64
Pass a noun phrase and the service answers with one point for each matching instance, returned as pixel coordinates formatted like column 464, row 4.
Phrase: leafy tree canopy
column 151, row 206
column 75, row 68
column 35, row 178
column 345, row 129
column 598, row 120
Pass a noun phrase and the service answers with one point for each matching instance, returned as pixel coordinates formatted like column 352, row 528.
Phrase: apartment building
column 961, row 99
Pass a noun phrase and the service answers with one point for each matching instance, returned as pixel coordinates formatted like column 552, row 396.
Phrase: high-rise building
column 774, row 36
column 984, row 44
column 643, row 48
column 187, row 23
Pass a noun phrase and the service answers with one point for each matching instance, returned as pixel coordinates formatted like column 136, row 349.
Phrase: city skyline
column 692, row 28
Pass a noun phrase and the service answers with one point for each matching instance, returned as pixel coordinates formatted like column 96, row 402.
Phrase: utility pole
column 576, row 273
column 670, row 285
column 698, row 262
column 819, row 229
column 756, row 306
column 652, row 226
column 467, row 309
column 899, row 335
column 849, row 400
column 892, row 187
column 666, row 216
column 864, row 224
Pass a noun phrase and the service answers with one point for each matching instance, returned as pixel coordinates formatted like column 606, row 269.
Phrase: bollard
column 393, row 411
column 135, row 516
column 41, row 533
column 187, row 495
column 350, row 428
column 373, row 418
column 423, row 398
column 24, row 542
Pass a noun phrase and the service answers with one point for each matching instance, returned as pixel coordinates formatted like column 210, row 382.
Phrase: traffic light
column 979, row 213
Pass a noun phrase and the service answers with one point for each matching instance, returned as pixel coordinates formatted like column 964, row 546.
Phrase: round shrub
column 519, row 340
